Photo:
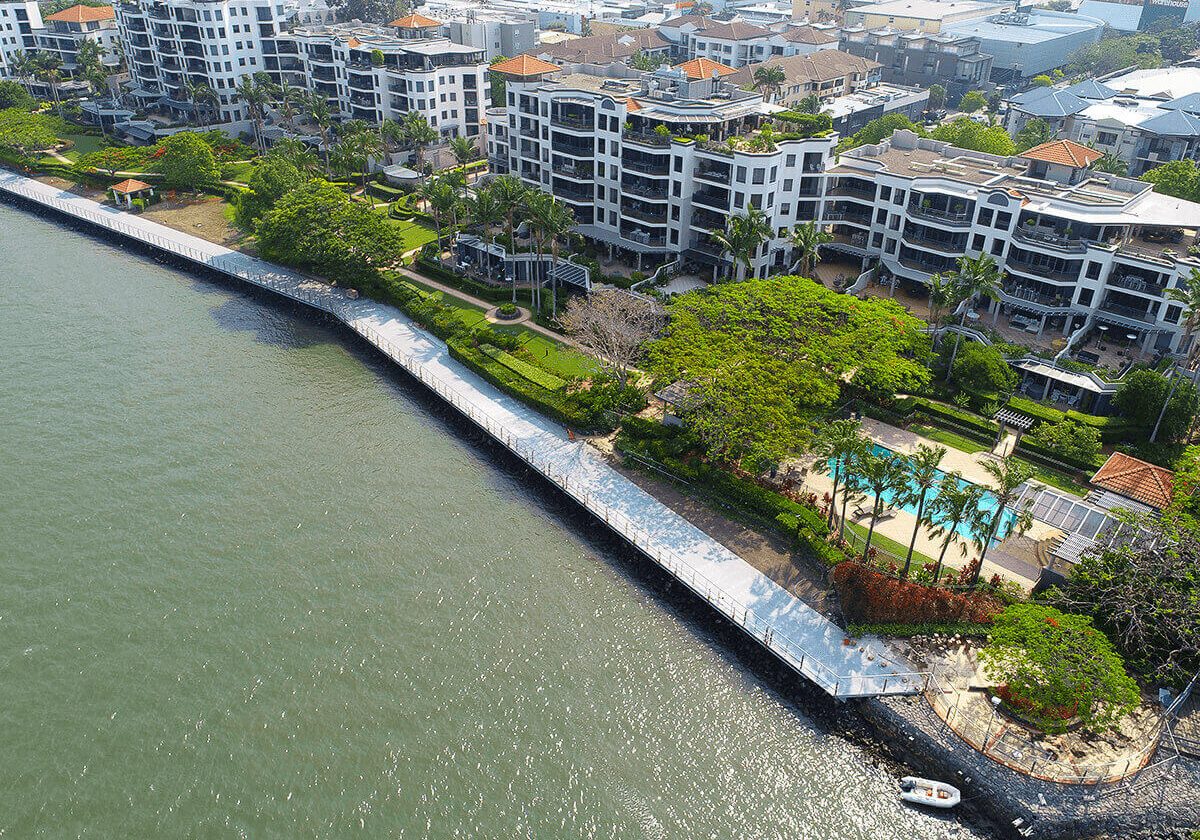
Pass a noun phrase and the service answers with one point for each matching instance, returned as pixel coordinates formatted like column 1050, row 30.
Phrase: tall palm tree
column 807, row 239
column 89, row 64
column 943, row 294
column 24, row 67
column 321, row 114
column 975, row 277
column 440, row 197
column 537, row 206
column 464, row 151
column 297, row 154
column 256, row 97
column 839, row 442
column 743, row 235
column 484, row 209
column 392, row 134
column 923, row 476
column 358, row 144
column 1189, row 296
column 418, row 134
column 1007, row 477
column 880, row 473
column 511, row 195
column 554, row 220
column 769, row 81
column 48, row 68
column 852, row 482
column 289, row 102
column 1111, row 164
column 957, row 501
column 198, row 93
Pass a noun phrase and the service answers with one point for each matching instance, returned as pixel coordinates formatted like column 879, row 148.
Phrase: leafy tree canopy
column 22, row 132
column 368, row 11
column 1068, row 440
column 1111, row 54
column 768, row 356
column 983, row 370
column 272, row 179
column 186, row 161
column 965, row 133
column 972, row 101
column 13, row 95
column 1033, row 133
column 877, row 129
column 318, row 227
column 1180, row 178
column 1054, row 666
column 1141, row 396
column 937, row 97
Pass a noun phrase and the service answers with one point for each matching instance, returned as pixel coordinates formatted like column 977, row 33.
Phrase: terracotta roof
column 820, row 66
column 354, row 43
column 1065, row 152
column 1137, row 480
column 415, row 21
column 632, row 105
column 698, row 20
column 129, row 185
column 704, row 68
column 525, row 65
column 84, row 14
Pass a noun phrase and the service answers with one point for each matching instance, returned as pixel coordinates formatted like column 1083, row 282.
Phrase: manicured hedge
column 1112, row 429
column 869, row 596
column 1029, row 449
column 523, row 368
column 434, row 271
column 936, row 411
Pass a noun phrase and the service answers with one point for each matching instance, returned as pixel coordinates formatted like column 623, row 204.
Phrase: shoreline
column 892, row 729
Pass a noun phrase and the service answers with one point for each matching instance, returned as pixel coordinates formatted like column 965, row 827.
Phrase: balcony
column 719, row 174
column 716, row 199
column 1136, row 284
column 579, row 150
column 646, row 167
column 1042, row 271
column 654, row 192
column 1018, row 294
column 947, row 245
column 572, row 192
column 572, row 122
column 705, row 219
column 960, row 218
column 642, row 237
column 863, row 219
column 578, row 171
column 853, row 189
column 1127, row 312
column 647, row 139
column 1054, row 240
column 645, row 212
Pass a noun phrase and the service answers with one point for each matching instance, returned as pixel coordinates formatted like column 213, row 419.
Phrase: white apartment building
column 169, row 43
column 737, row 43
column 1078, row 248
column 376, row 73
column 653, row 162
column 18, row 22
column 65, row 31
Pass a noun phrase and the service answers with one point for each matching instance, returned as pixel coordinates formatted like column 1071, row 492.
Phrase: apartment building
column 377, row 73
column 496, row 33
column 1029, row 42
column 826, row 74
column 1145, row 117
column 923, row 15
column 18, row 22
column 1078, row 248
column 171, row 43
column 652, row 163
column 65, row 31
column 738, row 43
column 606, row 49
column 920, row 59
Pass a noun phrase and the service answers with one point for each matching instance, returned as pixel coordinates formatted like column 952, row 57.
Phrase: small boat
column 928, row 792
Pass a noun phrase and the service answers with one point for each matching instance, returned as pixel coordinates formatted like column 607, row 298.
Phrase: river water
column 254, row 584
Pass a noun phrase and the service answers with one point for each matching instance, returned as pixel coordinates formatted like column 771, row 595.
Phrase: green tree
column 47, row 68
column 1055, row 666
column 511, row 193
column 1111, row 54
column 983, row 371
column 497, row 82
column 957, row 503
column 358, row 144
column 464, row 151
column 440, row 197
column 553, row 220
column 321, row 114
column 1188, row 296
column 645, row 61
column 807, row 239
column 1180, row 178
column 769, row 81
column 809, row 105
column 318, row 227
column 1111, row 164
column 965, row 133
column 923, row 476
column 742, row 237
column 1041, row 80
column 272, row 179
column 485, row 210
column 1177, row 44
column 1142, row 395
column 377, row 58
column 1007, row 478
column 839, row 442
column 773, row 355
column 1068, row 440
column 113, row 159
column 881, row 474
column 23, row 133
column 972, row 101
column 943, row 297
column 257, row 91
column 418, row 135
column 937, row 97
column 297, row 154
column 368, row 11
column 1034, row 133
column 187, row 162
column 877, row 129
column 974, row 277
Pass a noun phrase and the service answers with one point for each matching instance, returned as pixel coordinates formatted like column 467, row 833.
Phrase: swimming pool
column 989, row 502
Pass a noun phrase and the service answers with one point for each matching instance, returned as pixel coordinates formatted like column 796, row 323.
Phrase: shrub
column 870, row 596
column 1068, row 441
column 531, row 372
column 982, row 370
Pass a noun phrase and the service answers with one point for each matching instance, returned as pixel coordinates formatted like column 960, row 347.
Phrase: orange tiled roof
column 84, row 14
column 525, row 65
column 1065, row 152
column 130, row 185
column 703, row 68
column 1137, row 480
column 632, row 105
column 415, row 21
column 354, row 43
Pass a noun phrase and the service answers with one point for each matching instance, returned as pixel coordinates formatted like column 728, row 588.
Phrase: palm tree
column 840, row 441
column 440, row 197
column 552, row 219
column 923, row 476
column 289, row 103
column 769, row 81
column 89, row 63
column 321, row 114
column 975, row 277
column 48, row 68
column 392, row 134
column 485, row 210
column 743, row 235
column 511, row 195
column 1189, row 296
column 881, row 473
column 807, row 239
column 464, row 151
column 957, row 501
column 1111, row 164
column 357, row 145
column 297, row 154
column 1007, row 477
column 200, row 92
column 24, row 67
column 538, row 211
column 256, row 97
column 418, row 133
column 943, row 293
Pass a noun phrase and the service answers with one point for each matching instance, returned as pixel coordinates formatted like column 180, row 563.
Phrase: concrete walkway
column 800, row 636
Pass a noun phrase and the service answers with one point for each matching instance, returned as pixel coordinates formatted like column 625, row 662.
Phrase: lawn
column 899, row 550
column 84, row 144
column 239, row 171
column 960, row 442
column 415, row 235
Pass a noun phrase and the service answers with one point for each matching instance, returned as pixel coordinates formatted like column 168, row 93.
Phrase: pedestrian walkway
column 797, row 634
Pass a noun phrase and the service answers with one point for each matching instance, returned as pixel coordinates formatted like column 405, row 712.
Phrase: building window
column 977, row 242
column 1003, row 220
column 1093, row 270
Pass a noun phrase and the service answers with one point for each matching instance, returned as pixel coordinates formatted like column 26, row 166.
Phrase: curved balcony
column 948, row 218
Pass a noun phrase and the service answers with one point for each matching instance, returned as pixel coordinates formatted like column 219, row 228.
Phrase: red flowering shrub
column 872, row 598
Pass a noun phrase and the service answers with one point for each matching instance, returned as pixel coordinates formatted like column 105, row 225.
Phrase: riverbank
column 310, row 294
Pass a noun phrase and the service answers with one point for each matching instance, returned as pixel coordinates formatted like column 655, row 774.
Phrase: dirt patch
column 202, row 216
column 94, row 193
column 764, row 550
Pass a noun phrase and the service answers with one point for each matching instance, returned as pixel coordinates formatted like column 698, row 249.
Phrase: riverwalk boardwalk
column 800, row 636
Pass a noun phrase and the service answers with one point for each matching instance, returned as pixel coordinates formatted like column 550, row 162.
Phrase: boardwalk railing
column 338, row 303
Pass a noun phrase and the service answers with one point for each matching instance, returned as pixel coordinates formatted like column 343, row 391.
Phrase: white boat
column 928, row 792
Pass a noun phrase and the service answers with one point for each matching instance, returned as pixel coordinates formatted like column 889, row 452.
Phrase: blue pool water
column 989, row 502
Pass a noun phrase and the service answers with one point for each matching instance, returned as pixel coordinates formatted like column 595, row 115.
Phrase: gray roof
column 1091, row 89
column 1173, row 124
column 1189, row 103
column 1049, row 102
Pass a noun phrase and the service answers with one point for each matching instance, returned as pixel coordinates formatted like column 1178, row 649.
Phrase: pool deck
column 798, row 635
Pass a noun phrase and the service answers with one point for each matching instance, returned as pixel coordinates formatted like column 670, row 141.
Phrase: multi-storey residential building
column 1146, row 117
column 606, row 49
column 18, row 22
column 372, row 73
column 496, row 33
column 826, row 74
column 923, row 15
column 652, row 163
column 919, row 59
column 1027, row 43
column 1078, row 248
column 66, row 30
column 171, row 43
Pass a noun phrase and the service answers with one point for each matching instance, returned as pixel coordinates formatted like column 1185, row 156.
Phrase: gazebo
column 128, row 190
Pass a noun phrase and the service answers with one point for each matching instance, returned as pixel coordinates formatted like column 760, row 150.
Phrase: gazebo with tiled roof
column 415, row 21
column 129, row 189
column 1136, row 479
column 525, row 66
